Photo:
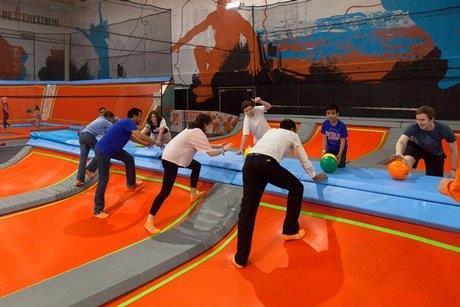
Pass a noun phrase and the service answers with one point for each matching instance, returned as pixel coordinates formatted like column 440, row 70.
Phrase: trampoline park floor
column 345, row 259
column 45, row 241
column 39, row 169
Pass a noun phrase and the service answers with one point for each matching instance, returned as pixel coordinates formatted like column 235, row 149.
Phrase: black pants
column 169, row 177
column 343, row 159
column 258, row 171
column 6, row 115
column 434, row 164
column 103, row 165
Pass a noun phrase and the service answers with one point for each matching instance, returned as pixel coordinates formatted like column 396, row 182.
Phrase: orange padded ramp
column 80, row 103
column 40, row 243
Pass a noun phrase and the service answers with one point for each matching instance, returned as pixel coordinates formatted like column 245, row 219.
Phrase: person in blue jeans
column 111, row 146
column 88, row 139
column 335, row 135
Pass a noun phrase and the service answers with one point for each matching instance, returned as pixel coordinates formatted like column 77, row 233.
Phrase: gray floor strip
column 13, row 154
column 43, row 196
column 107, row 278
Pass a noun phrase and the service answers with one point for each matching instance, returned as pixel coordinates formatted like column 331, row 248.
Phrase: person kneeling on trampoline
column 262, row 166
column 111, row 146
column 179, row 153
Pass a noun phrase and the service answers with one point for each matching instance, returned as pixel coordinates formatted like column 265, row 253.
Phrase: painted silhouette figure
column 97, row 35
column 231, row 32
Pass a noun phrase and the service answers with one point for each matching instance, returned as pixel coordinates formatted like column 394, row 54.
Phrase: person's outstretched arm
column 267, row 105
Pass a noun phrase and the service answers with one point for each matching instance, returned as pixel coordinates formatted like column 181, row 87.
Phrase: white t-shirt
column 154, row 132
column 256, row 125
column 277, row 143
column 183, row 147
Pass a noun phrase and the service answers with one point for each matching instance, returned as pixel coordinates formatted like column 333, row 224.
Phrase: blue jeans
column 87, row 141
column 103, row 165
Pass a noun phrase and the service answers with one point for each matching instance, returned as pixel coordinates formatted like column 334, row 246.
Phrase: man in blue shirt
column 335, row 135
column 88, row 139
column 423, row 140
column 111, row 146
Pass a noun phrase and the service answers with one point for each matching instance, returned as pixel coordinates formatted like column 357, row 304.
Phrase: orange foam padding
column 43, row 242
column 79, row 104
column 335, row 264
column 29, row 96
column 362, row 141
column 447, row 162
column 36, row 171
column 16, row 133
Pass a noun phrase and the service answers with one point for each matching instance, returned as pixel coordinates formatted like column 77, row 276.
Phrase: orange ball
column 398, row 170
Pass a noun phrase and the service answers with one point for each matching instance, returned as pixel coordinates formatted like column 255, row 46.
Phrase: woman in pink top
column 179, row 153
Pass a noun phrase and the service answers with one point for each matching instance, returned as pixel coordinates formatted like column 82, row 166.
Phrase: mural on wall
column 373, row 58
column 234, row 42
column 120, row 40
column 12, row 61
column 98, row 35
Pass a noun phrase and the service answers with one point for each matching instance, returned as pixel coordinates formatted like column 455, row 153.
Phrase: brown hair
column 429, row 111
column 247, row 103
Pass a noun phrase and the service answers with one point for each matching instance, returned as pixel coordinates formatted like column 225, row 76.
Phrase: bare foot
column 296, row 236
column 78, row 183
column 136, row 185
column 89, row 173
column 238, row 266
column 193, row 198
column 101, row 215
column 151, row 228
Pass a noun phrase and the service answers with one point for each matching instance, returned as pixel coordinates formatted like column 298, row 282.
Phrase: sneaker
column 101, row 215
column 296, row 236
column 79, row 183
column 238, row 266
column 89, row 173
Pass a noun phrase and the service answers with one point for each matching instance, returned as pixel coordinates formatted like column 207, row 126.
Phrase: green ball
column 328, row 163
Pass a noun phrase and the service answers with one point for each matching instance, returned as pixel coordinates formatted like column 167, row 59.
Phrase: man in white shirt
column 262, row 166
column 254, row 120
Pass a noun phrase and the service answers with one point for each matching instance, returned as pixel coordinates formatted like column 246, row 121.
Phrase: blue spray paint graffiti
column 97, row 35
column 441, row 20
column 353, row 33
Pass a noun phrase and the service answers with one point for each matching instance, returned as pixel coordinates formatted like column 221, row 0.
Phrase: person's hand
column 319, row 177
column 227, row 146
column 339, row 156
column 159, row 144
column 452, row 173
column 256, row 99
column 222, row 145
column 239, row 152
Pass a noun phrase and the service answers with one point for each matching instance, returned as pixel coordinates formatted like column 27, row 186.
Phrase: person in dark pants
column 179, row 153
column 111, row 146
column 88, row 139
column 6, row 112
column 262, row 166
column 423, row 140
column 335, row 135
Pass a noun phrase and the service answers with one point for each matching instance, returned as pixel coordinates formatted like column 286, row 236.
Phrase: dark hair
column 429, row 111
column 102, row 108
column 200, row 121
column 288, row 124
column 333, row 107
column 109, row 114
column 247, row 103
column 134, row 112
column 150, row 122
